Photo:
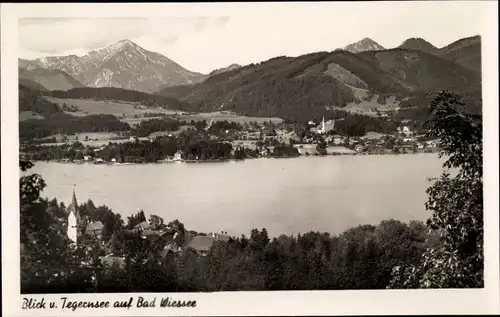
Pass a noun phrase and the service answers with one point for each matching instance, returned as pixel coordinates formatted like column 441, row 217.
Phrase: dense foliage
column 50, row 263
column 111, row 93
column 359, row 125
column 456, row 203
column 146, row 127
column 32, row 101
column 285, row 151
column 143, row 151
column 415, row 109
column 68, row 124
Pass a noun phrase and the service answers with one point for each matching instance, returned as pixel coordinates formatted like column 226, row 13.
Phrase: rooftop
column 201, row 243
column 143, row 225
column 96, row 225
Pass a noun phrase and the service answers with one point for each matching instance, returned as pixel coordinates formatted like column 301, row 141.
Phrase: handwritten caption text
column 139, row 302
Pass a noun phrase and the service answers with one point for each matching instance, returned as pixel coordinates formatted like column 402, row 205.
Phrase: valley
column 364, row 89
column 133, row 113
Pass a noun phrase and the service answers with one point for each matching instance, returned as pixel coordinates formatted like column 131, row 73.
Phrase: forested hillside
column 55, row 120
column 466, row 52
column 68, row 124
column 425, row 72
column 111, row 93
column 299, row 88
column 30, row 100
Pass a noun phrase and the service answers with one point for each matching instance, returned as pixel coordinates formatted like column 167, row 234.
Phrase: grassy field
column 99, row 136
column 26, row 115
column 366, row 107
column 116, row 108
column 95, row 144
column 135, row 121
column 94, row 139
column 133, row 113
column 220, row 116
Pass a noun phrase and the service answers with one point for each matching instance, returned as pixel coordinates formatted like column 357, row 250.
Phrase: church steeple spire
column 73, row 207
column 73, row 201
column 73, row 219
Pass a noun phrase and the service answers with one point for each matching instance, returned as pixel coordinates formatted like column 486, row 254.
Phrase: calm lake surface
column 290, row 196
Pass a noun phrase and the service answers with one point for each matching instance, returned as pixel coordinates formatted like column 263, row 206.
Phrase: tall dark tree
column 456, row 203
column 156, row 221
column 50, row 262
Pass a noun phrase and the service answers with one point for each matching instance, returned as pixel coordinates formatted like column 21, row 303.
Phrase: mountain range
column 288, row 87
column 466, row 51
column 366, row 44
column 122, row 65
column 299, row 87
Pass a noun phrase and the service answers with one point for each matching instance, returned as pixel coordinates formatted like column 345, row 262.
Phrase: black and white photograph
column 326, row 146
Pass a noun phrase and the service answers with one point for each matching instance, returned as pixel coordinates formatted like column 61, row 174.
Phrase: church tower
column 73, row 220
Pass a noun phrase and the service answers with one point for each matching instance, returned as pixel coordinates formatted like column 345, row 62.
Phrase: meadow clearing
column 120, row 109
column 134, row 113
column 366, row 107
column 27, row 115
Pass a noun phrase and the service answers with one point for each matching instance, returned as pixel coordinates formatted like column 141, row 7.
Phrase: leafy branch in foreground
column 456, row 204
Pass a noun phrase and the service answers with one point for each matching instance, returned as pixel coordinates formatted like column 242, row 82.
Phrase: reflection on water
column 283, row 195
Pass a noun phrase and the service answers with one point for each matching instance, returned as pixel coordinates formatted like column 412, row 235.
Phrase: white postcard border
column 485, row 301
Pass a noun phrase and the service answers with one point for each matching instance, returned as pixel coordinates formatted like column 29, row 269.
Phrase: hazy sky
column 203, row 43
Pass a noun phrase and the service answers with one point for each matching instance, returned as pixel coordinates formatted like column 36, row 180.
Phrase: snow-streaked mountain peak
column 123, row 64
column 366, row 44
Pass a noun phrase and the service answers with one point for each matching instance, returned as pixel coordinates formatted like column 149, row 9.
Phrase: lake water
column 327, row 194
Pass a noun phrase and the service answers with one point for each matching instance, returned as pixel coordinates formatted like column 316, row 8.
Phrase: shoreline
column 224, row 160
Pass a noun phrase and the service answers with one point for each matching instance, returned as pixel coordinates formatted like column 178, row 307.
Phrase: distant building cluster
column 323, row 127
column 200, row 244
column 252, row 140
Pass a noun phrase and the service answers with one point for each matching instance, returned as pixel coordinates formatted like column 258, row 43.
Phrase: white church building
column 74, row 220
column 324, row 127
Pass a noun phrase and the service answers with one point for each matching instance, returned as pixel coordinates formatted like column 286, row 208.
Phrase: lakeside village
column 170, row 239
column 222, row 140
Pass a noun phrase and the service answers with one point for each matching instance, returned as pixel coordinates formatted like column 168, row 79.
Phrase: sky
column 254, row 33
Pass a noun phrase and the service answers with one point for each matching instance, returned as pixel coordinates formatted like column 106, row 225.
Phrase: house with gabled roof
column 95, row 228
column 202, row 244
column 142, row 226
